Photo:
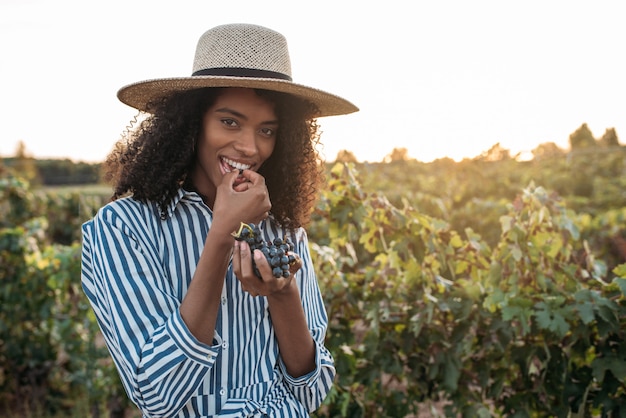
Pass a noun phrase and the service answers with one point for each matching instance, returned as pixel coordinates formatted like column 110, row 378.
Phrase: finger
column 232, row 175
column 242, row 187
column 253, row 177
column 230, row 178
column 245, row 262
column 243, row 269
column 236, row 259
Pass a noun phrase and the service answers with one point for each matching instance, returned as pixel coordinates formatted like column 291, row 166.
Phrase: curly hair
column 154, row 159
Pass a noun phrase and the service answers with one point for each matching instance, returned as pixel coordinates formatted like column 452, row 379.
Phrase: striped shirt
column 136, row 268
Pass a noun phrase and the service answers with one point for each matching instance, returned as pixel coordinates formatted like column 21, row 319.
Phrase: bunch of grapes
column 279, row 252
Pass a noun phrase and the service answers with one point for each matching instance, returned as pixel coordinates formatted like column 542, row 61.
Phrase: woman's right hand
column 239, row 201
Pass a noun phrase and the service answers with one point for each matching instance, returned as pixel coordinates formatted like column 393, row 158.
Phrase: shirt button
column 223, row 301
column 224, row 345
column 222, row 392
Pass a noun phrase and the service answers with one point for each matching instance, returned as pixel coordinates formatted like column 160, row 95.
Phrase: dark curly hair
column 154, row 159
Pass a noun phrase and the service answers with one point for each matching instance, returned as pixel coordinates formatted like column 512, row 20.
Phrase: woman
column 192, row 329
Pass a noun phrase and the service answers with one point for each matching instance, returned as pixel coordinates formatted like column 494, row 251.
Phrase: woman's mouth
column 229, row 165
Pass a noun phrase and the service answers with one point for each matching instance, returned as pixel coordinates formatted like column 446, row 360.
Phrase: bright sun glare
column 442, row 79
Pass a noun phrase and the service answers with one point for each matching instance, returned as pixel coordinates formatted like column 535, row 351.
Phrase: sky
column 444, row 78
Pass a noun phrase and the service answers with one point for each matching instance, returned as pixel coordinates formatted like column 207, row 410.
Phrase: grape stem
column 242, row 226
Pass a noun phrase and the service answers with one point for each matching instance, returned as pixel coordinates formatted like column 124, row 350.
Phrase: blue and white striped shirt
column 136, row 269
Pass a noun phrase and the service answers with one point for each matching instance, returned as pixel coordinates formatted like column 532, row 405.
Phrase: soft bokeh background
column 446, row 78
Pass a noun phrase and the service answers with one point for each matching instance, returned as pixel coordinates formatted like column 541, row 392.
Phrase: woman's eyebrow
column 242, row 116
column 232, row 112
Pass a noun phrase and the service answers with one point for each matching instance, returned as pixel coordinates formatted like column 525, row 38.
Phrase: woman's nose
column 246, row 142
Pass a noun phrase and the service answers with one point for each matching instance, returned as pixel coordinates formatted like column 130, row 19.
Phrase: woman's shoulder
column 126, row 204
column 128, row 210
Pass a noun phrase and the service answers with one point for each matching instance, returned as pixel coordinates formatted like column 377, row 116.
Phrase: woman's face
column 239, row 132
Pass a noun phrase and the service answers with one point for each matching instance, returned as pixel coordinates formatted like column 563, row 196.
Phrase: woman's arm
column 299, row 320
column 138, row 313
column 247, row 202
column 200, row 306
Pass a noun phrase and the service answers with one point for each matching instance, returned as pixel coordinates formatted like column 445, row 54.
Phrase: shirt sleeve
column 161, row 364
column 312, row 388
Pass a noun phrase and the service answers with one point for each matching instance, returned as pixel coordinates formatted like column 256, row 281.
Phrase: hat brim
column 139, row 94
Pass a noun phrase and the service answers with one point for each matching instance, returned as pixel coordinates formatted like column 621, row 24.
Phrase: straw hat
column 237, row 55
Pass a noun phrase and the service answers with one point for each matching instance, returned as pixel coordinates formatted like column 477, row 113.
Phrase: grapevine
column 279, row 252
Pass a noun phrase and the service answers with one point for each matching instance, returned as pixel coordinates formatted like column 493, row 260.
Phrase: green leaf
column 506, row 222
column 452, row 372
column 551, row 320
column 601, row 365
column 560, row 325
column 544, row 319
column 620, row 271
column 370, row 238
column 621, row 282
column 516, row 252
column 585, row 311
column 456, row 241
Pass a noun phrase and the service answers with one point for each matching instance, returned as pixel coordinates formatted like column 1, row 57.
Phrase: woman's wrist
column 287, row 292
column 220, row 236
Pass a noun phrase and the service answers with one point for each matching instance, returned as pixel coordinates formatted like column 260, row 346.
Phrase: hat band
column 241, row 72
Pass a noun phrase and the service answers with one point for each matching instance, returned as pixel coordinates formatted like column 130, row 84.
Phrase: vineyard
column 481, row 288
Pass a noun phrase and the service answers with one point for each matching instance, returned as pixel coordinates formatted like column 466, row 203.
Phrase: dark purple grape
column 278, row 252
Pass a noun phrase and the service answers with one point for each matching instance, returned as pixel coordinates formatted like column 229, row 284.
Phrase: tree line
column 54, row 172
column 51, row 172
column 581, row 140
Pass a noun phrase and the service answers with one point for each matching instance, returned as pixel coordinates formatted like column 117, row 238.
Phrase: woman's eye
column 232, row 123
column 268, row 131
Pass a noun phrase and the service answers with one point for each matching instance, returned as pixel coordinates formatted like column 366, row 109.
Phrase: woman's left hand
column 250, row 282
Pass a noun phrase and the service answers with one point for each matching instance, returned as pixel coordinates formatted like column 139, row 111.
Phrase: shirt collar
column 180, row 196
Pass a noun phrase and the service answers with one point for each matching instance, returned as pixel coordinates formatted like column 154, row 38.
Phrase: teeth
column 235, row 164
